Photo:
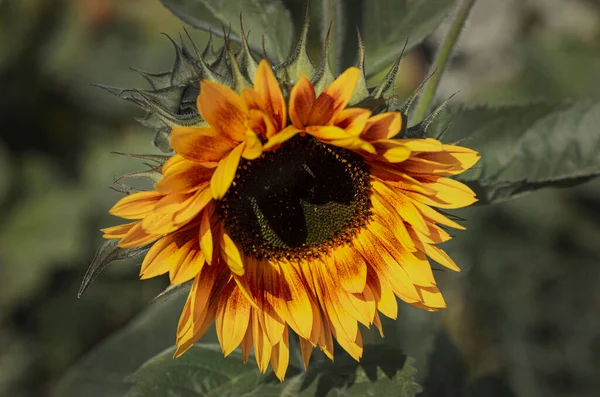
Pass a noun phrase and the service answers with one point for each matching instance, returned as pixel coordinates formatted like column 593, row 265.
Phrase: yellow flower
column 308, row 216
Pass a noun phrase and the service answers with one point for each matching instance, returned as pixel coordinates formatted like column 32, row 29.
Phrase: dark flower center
column 297, row 201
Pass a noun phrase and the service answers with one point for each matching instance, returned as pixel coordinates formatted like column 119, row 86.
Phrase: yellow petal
column 423, row 145
column 262, row 347
column 287, row 133
column 253, row 147
column 136, row 205
column 225, row 172
column 280, row 356
column 231, row 254
column 233, row 318
column 392, row 151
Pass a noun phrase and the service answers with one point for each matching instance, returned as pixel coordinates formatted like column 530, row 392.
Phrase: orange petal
column 384, row 295
column 382, row 126
column 334, row 98
column 341, row 321
column 415, row 265
column 117, row 231
column 190, row 266
column 262, row 347
column 225, row 172
column 302, row 98
column 280, row 356
column 201, row 144
column 387, row 268
column 300, row 313
column 137, row 237
column 390, row 218
column 136, row 205
column 271, row 300
column 269, row 92
column 209, row 284
column 351, row 269
column 233, row 318
column 223, row 109
column 193, row 206
column 352, row 120
column 195, row 320
column 401, row 205
column 183, row 176
column 306, row 349
column 177, row 254
column 206, row 234
column 246, row 344
column 261, row 124
column 326, row 339
column 160, row 221
column 398, row 179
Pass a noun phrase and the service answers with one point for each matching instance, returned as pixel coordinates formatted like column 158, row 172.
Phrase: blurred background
column 523, row 314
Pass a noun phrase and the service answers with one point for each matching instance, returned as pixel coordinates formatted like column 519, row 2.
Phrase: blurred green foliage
column 522, row 315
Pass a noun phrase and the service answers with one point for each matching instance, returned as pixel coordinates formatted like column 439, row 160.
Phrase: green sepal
column 239, row 80
column 387, row 88
column 420, row 130
column 408, row 102
column 172, row 291
column 323, row 75
column 298, row 63
column 105, row 255
column 361, row 92
column 244, row 57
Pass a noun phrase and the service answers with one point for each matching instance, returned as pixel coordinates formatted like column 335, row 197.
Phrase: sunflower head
column 291, row 199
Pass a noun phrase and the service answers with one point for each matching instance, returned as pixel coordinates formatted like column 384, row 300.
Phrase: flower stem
column 441, row 60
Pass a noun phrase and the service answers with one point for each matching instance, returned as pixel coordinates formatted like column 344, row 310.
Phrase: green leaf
column 102, row 372
column 528, row 147
column 105, row 255
column 202, row 371
column 342, row 373
column 400, row 385
column 387, row 24
column 261, row 17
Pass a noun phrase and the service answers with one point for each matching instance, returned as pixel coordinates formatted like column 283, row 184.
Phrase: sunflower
column 289, row 209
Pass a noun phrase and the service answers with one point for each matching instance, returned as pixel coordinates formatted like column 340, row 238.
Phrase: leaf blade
column 106, row 254
column 270, row 18
column 528, row 147
column 388, row 24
